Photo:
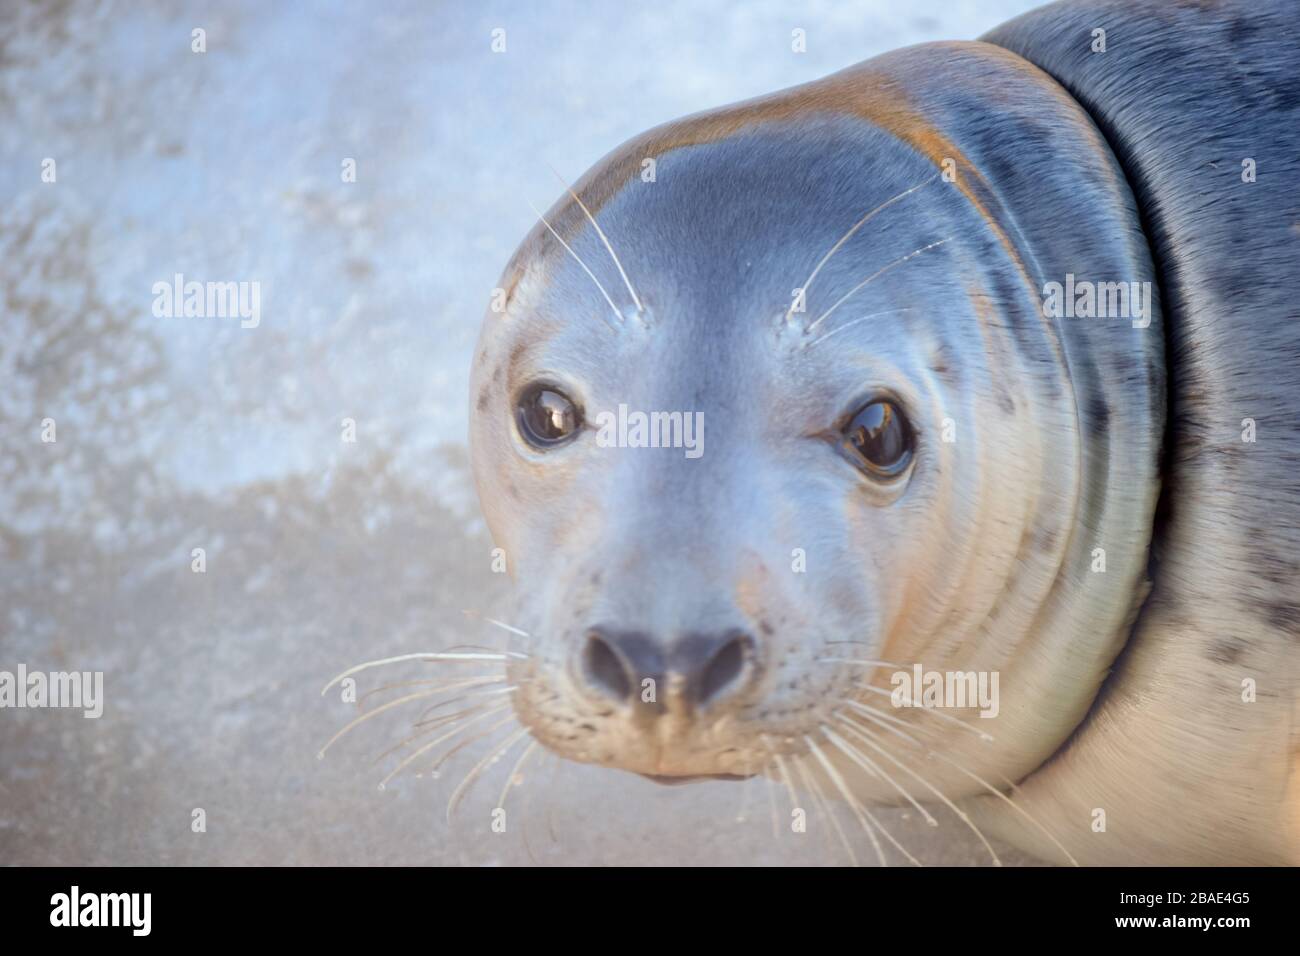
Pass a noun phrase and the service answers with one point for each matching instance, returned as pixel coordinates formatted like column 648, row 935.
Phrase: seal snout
column 694, row 672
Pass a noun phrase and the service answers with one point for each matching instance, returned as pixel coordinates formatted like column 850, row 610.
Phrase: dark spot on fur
column 483, row 398
column 1163, row 607
column 1241, row 29
column 765, row 628
column 1099, row 414
column 1273, row 568
column 1226, row 651
column 1284, row 616
column 1045, row 538
column 1026, row 540
column 947, row 374
column 516, row 359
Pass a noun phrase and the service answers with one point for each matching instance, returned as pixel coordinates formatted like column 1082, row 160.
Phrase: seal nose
column 700, row 670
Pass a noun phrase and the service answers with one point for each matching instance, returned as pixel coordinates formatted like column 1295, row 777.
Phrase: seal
column 994, row 346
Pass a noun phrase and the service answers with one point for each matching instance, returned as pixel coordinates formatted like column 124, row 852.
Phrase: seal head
column 875, row 451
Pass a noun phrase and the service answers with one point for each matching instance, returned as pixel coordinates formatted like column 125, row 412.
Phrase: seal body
column 1069, row 508
column 1195, row 100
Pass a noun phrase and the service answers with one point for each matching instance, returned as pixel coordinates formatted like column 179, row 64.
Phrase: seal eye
column 547, row 417
column 878, row 439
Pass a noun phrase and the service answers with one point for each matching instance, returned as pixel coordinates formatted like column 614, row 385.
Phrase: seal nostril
column 604, row 669
column 724, row 668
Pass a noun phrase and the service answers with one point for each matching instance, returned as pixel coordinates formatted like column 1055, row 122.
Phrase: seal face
column 789, row 419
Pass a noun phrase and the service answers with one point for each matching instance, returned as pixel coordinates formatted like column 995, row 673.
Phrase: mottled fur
column 1186, row 91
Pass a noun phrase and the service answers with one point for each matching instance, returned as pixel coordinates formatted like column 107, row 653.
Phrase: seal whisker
column 557, row 763
column 429, row 727
column 1014, row 806
column 438, row 764
column 864, row 817
column 938, row 714
column 824, row 808
column 785, row 775
column 491, row 620
column 982, row 782
column 848, row 235
column 862, row 760
column 433, row 683
column 411, row 758
column 590, row 274
column 771, row 799
column 476, row 771
column 528, row 805
column 879, row 826
column 867, row 737
column 879, row 716
column 437, row 684
column 361, row 719
column 746, row 792
column 513, row 776
column 871, row 278
column 603, row 238
column 858, row 660
column 891, row 723
column 453, row 700
column 849, row 325
column 423, row 656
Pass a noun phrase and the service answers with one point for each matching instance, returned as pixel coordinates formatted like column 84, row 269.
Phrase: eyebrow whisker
column 849, row 235
column 875, row 275
column 847, row 325
column 613, row 308
column 603, row 238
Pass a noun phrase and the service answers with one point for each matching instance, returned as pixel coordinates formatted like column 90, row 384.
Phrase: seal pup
column 921, row 452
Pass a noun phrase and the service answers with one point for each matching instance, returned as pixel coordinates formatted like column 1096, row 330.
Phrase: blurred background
column 183, row 433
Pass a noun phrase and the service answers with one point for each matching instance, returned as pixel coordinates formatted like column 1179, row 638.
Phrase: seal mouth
column 670, row 781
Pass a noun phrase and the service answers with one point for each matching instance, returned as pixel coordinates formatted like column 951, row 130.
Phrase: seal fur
column 985, row 559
